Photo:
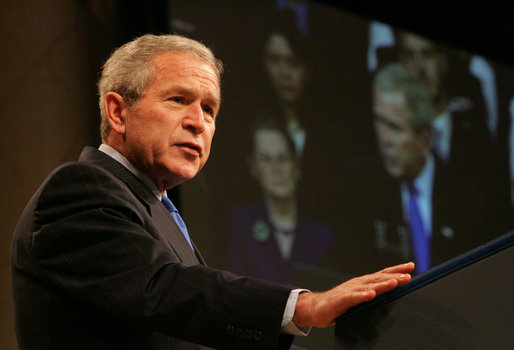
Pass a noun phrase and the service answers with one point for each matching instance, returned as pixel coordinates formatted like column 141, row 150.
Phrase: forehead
column 416, row 43
column 181, row 68
column 391, row 97
column 270, row 140
column 278, row 44
column 391, row 104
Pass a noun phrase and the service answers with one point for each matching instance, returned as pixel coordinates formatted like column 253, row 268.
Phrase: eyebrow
column 210, row 98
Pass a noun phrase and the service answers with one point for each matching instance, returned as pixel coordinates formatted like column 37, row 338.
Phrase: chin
column 394, row 173
column 182, row 173
column 188, row 175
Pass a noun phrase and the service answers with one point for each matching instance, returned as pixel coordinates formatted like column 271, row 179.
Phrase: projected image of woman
column 273, row 238
column 288, row 75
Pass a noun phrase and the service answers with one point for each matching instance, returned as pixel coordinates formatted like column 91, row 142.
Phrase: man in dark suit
column 423, row 210
column 461, row 137
column 97, row 260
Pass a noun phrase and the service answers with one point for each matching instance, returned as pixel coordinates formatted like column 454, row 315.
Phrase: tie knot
column 168, row 204
column 176, row 216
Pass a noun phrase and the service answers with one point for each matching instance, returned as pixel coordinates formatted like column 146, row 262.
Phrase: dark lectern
column 465, row 303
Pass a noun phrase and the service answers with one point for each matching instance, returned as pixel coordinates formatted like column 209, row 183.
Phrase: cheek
column 433, row 75
column 266, row 176
column 264, row 172
column 405, row 141
column 290, row 171
column 291, row 182
column 149, row 130
column 207, row 139
column 209, row 136
column 274, row 75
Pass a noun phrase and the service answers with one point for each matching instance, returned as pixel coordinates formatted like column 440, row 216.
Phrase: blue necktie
column 420, row 241
column 178, row 219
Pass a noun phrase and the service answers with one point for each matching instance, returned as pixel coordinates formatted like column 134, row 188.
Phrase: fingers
column 387, row 279
column 402, row 272
column 379, row 286
column 386, row 286
column 384, row 276
column 367, row 287
column 320, row 309
column 402, row 268
column 403, row 279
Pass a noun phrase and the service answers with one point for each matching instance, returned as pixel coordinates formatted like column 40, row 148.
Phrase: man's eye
column 177, row 99
column 208, row 110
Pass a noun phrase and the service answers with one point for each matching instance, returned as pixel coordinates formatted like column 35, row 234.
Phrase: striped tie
column 420, row 241
column 178, row 219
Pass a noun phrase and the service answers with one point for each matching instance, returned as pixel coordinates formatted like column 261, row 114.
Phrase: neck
column 161, row 184
column 290, row 113
column 282, row 212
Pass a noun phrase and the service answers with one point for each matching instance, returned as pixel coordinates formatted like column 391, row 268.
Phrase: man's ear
column 115, row 109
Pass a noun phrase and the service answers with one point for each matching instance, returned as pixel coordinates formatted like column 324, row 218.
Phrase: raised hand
column 321, row 309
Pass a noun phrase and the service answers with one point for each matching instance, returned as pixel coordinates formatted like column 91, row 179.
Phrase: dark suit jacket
column 98, row 263
column 254, row 250
column 462, row 218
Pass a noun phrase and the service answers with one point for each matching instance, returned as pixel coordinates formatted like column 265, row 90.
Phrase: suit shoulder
column 81, row 176
column 78, row 186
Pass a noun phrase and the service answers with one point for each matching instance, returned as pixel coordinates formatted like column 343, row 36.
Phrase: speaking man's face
column 402, row 149
column 169, row 130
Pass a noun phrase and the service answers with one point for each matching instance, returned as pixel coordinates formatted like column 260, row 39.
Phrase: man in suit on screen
column 423, row 210
column 100, row 257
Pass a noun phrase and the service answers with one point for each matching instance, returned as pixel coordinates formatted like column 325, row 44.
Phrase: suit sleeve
column 93, row 238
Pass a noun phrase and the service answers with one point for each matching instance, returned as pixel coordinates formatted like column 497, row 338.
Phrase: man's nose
column 276, row 164
column 284, row 67
column 194, row 119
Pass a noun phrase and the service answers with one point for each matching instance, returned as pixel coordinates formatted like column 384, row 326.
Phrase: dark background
column 484, row 27
column 51, row 53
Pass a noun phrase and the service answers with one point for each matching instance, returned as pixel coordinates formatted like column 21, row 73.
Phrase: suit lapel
column 198, row 254
column 166, row 225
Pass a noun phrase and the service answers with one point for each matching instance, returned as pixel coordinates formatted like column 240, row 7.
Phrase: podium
column 465, row 303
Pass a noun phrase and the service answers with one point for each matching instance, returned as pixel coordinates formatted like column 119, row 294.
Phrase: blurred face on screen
column 423, row 58
column 402, row 149
column 274, row 165
column 286, row 70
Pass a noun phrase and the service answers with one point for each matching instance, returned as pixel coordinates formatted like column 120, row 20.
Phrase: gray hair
column 266, row 120
column 396, row 77
column 130, row 68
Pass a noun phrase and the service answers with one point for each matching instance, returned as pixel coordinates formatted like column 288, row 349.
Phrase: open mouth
column 194, row 148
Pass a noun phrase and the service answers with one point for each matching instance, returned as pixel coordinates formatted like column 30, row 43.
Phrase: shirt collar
column 425, row 179
column 442, row 124
column 111, row 152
